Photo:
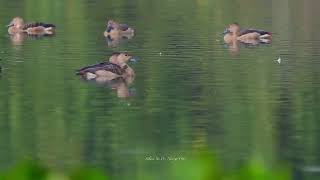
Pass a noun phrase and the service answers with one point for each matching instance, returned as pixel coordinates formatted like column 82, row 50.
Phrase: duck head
column 110, row 26
column 111, row 23
column 121, row 58
column 16, row 22
column 232, row 29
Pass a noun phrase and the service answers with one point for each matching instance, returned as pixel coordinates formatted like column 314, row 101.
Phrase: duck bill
column 9, row 25
column 133, row 59
column 226, row 31
column 109, row 29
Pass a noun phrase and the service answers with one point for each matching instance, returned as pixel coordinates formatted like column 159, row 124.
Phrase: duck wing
column 106, row 66
column 247, row 31
column 37, row 24
column 123, row 27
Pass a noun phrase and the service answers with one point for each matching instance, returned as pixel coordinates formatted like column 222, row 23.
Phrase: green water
column 191, row 93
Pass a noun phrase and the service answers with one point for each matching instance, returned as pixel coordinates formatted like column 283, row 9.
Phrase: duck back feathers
column 247, row 31
column 106, row 66
column 38, row 24
column 123, row 27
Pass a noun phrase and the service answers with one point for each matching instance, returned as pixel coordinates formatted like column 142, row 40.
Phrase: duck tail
column 87, row 75
column 266, row 36
column 90, row 76
column 131, row 30
column 49, row 30
column 79, row 72
column 265, row 40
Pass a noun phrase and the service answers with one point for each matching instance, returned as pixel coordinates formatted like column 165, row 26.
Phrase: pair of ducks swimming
column 233, row 33
column 117, row 66
column 17, row 25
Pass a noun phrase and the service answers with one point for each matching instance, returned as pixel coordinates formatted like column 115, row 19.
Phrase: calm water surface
column 190, row 92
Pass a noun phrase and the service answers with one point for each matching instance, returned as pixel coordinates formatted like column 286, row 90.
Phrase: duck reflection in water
column 17, row 39
column 120, row 85
column 117, row 40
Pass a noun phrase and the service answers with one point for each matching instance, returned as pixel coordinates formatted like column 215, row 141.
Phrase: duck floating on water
column 248, row 36
column 116, row 67
column 116, row 30
column 17, row 25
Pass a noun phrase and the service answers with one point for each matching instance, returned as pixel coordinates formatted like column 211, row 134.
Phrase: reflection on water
column 117, row 40
column 191, row 93
column 235, row 46
column 120, row 85
column 17, row 39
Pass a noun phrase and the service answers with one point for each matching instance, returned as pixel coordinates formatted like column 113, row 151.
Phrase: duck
column 114, row 68
column 17, row 25
column 116, row 30
column 248, row 36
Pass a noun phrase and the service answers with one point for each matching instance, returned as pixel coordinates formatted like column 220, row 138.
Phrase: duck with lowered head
column 17, row 25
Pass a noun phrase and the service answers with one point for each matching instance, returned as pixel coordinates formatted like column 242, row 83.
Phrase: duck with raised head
column 249, row 36
column 17, row 25
column 117, row 30
column 116, row 67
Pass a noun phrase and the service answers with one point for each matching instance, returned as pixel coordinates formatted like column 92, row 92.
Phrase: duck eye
column 126, row 54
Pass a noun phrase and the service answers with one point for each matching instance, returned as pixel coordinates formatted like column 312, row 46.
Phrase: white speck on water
column 279, row 60
column 160, row 53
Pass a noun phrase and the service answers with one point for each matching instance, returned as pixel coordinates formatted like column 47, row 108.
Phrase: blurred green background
column 191, row 93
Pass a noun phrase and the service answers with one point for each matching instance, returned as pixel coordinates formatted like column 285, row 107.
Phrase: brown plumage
column 116, row 30
column 105, row 66
column 37, row 24
column 234, row 33
column 17, row 25
column 116, row 67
